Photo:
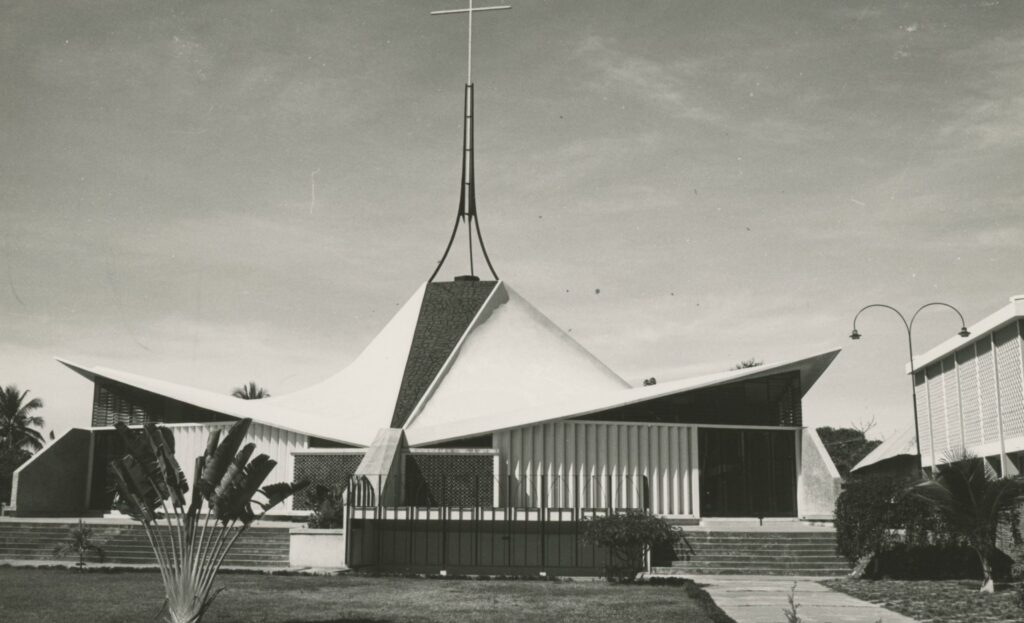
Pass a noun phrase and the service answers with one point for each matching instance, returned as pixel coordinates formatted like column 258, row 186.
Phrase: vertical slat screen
column 622, row 454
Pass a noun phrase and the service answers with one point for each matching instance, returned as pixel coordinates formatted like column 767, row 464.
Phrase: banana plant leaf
column 219, row 459
column 279, row 492
column 170, row 472
column 235, row 503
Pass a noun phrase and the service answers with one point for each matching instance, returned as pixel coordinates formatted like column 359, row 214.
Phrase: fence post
column 444, row 523
column 477, row 511
column 542, row 515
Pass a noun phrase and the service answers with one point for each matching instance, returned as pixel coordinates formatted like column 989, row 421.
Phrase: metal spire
column 467, row 194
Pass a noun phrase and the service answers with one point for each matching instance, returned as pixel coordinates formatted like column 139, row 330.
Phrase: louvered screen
column 923, row 422
column 970, row 400
column 937, row 410
column 951, row 394
column 1011, row 388
column 987, row 390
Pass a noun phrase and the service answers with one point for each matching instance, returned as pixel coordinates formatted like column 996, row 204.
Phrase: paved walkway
column 762, row 599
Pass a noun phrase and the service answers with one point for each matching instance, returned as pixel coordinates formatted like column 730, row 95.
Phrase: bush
column 629, row 536
column 874, row 514
column 937, row 562
column 329, row 505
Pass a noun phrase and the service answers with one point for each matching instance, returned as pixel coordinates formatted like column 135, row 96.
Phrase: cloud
column 991, row 115
column 669, row 85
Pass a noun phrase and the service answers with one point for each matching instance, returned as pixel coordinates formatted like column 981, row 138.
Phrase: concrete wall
column 818, row 480
column 316, row 548
column 54, row 481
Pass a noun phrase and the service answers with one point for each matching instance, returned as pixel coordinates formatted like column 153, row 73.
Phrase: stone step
column 755, row 538
column 742, row 556
column 128, row 544
column 750, row 563
column 739, row 570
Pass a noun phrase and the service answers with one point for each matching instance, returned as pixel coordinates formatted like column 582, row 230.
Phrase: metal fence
column 610, row 491
column 537, row 528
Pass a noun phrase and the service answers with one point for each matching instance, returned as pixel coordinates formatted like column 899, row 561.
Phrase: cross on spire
column 469, row 11
column 467, row 194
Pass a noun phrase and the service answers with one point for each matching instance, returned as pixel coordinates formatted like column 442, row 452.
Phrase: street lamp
column 909, row 326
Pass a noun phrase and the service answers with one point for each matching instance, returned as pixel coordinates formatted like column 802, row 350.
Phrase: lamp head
column 854, row 335
column 964, row 332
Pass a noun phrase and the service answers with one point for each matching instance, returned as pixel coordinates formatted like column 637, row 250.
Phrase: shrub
column 874, row 514
column 629, row 536
column 329, row 505
column 80, row 543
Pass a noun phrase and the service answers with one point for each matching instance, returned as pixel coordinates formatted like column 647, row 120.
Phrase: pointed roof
column 461, row 424
column 903, row 443
column 459, row 359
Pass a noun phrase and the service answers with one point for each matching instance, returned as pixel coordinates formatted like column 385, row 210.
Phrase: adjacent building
column 970, row 396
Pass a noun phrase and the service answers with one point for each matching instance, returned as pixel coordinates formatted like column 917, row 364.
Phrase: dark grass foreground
column 938, row 601
column 55, row 595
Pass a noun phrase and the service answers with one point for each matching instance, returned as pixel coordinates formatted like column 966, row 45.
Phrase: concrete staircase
column 761, row 552
column 126, row 543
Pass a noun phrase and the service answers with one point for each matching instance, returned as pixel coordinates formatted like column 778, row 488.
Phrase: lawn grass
column 937, row 601
column 55, row 595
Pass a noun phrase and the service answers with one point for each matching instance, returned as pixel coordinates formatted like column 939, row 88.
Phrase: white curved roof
column 511, row 366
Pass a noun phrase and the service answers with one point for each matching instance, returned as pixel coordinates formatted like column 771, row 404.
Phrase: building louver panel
column 937, row 410
column 951, row 401
column 987, row 391
column 1011, row 392
column 446, row 312
column 601, row 464
column 924, row 416
column 970, row 399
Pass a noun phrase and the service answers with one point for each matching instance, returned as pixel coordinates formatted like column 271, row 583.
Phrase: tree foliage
column 629, row 536
column 17, row 424
column 748, row 363
column 151, row 488
column 329, row 507
column 250, row 391
column 846, row 446
column 10, row 460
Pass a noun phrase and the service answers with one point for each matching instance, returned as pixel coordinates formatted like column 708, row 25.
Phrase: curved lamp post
column 909, row 326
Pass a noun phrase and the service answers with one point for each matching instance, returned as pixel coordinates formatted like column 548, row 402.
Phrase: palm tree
column 973, row 503
column 17, row 427
column 250, row 391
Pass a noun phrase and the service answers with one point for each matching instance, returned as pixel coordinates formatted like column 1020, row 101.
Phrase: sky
column 216, row 192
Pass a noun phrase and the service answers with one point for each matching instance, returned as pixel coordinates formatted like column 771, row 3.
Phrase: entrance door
column 747, row 473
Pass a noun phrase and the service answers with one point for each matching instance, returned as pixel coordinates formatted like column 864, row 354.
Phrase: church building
column 470, row 396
